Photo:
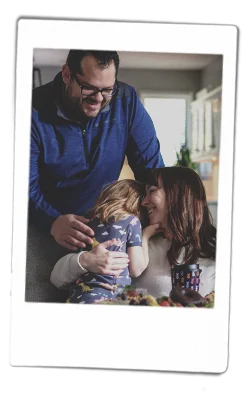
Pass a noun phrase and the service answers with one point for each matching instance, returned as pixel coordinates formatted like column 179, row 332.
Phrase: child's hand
column 152, row 230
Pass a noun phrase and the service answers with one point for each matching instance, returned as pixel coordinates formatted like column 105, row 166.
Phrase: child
column 115, row 216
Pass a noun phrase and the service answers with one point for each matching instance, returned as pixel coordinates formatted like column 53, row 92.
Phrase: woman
column 176, row 199
column 175, row 196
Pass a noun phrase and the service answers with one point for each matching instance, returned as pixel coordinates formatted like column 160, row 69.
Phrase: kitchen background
column 182, row 93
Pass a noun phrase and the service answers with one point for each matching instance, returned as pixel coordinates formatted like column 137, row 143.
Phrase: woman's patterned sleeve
column 134, row 237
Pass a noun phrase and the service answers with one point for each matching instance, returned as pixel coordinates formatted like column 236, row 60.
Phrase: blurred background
column 182, row 94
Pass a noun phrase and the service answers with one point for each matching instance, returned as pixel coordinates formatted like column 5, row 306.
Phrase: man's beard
column 90, row 100
column 77, row 107
column 74, row 107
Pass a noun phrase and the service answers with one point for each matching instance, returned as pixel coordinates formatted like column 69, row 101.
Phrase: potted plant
column 184, row 159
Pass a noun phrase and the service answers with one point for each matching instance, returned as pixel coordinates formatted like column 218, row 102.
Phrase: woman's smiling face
column 155, row 203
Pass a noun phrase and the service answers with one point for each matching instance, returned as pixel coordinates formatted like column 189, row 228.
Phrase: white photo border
column 138, row 338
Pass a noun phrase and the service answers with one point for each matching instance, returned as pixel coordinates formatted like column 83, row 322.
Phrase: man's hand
column 71, row 232
column 151, row 230
column 101, row 261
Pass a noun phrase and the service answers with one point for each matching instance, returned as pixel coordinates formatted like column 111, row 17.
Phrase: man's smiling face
column 93, row 77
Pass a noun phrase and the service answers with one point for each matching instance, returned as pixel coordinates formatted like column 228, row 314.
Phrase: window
column 170, row 113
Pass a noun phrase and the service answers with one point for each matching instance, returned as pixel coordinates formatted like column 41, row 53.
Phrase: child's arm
column 147, row 233
column 137, row 262
column 145, row 240
column 137, row 246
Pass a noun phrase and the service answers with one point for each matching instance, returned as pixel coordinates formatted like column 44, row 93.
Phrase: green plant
column 184, row 158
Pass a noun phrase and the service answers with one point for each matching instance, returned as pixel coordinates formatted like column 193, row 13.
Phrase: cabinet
column 206, row 121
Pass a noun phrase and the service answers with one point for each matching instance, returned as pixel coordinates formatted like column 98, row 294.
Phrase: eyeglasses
column 88, row 91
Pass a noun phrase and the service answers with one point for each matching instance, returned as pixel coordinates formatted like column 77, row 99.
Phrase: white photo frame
column 137, row 338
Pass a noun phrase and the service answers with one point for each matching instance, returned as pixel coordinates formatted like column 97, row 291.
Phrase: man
column 83, row 125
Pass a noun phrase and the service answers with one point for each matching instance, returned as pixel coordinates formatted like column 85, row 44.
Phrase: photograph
column 99, row 119
column 122, row 193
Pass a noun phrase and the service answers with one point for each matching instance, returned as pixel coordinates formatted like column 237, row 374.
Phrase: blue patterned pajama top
column 91, row 287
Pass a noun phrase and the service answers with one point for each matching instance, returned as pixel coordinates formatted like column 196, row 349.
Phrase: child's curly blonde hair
column 119, row 199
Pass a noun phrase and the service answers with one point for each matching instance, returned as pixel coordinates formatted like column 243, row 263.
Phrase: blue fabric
column 92, row 287
column 86, row 295
column 70, row 163
column 127, row 231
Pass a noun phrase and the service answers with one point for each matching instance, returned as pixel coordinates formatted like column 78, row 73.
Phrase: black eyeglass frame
column 95, row 90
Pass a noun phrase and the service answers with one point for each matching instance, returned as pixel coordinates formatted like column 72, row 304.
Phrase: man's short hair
column 104, row 58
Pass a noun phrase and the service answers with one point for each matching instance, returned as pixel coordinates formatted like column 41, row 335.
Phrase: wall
column 211, row 76
column 48, row 73
column 164, row 80
column 126, row 172
column 171, row 80
column 143, row 80
column 213, row 206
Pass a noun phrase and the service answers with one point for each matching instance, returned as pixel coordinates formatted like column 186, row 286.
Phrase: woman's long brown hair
column 119, row 199
column 187, row 213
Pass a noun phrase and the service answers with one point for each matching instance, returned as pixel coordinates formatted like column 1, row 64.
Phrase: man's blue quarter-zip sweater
column 70, row 163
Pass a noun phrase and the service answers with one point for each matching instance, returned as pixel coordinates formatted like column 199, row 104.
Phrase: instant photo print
column 184, row 75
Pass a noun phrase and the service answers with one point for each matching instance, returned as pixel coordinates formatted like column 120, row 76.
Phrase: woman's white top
column 157, row 276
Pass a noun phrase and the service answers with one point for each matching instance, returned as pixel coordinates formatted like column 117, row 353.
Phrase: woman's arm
column 67, row 270
column 99, row 260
